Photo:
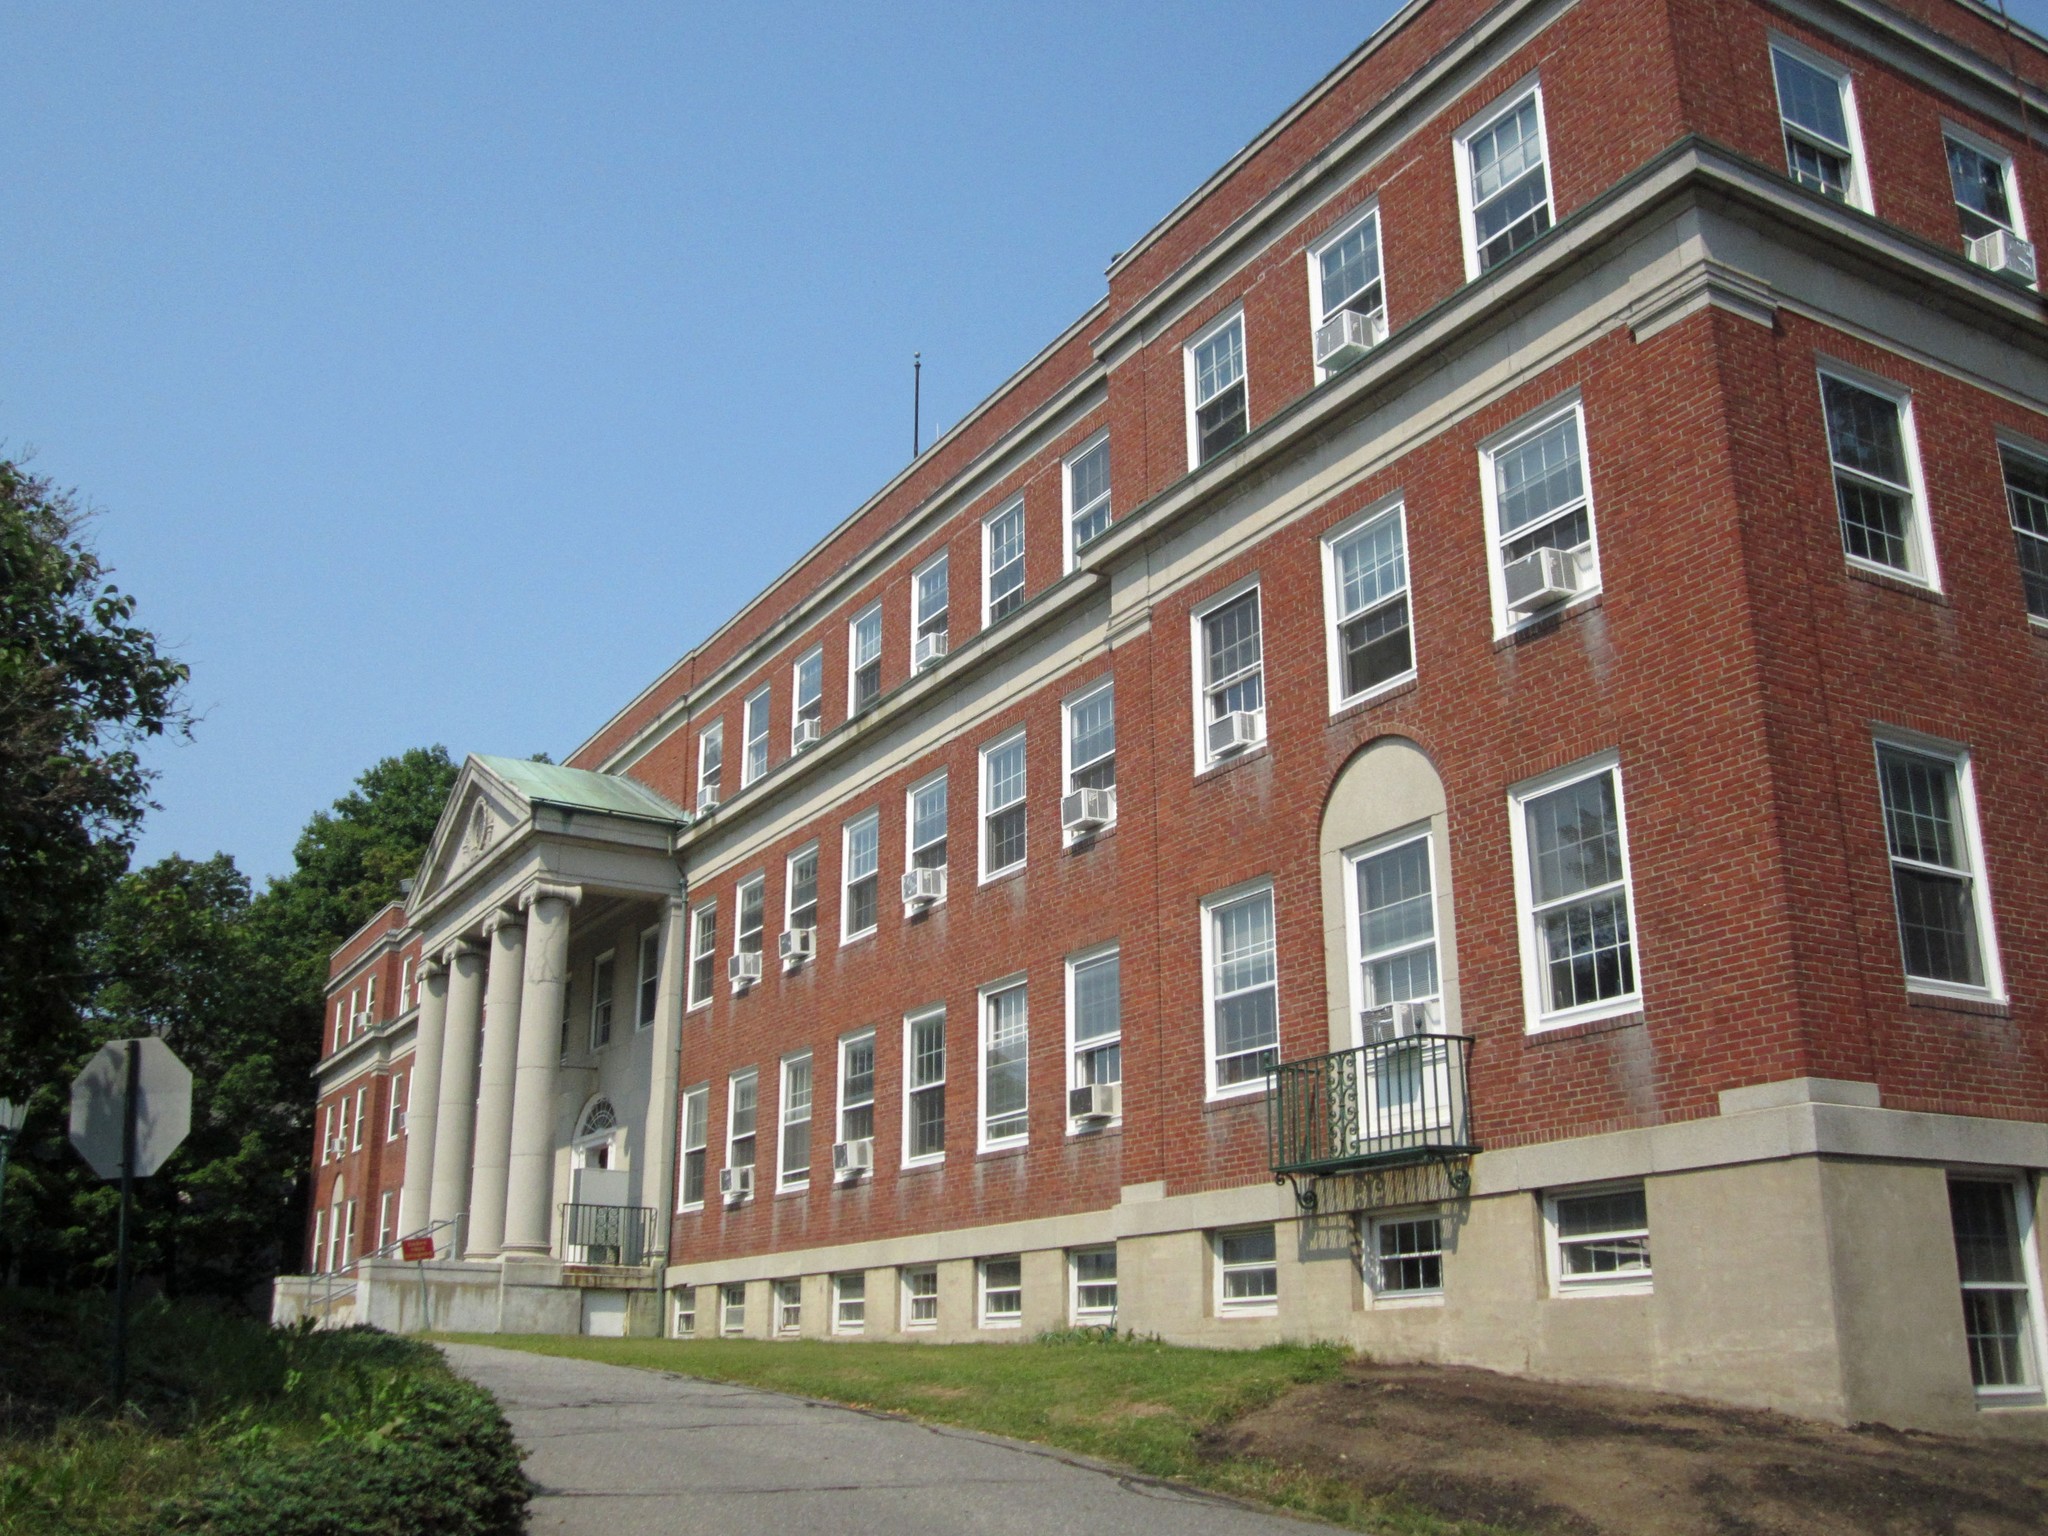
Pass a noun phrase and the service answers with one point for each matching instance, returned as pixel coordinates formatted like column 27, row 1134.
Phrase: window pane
column 1979, row 183
column 1091, row 728
column 1811, row 99
column 1088, row 493
column 1244, row 943
column 1097, row 998
column 1231, row 638
column 1253, row 1247
column 931, row 597
column 1351, row 266
column 1574, row 838
column 1505, row 151
column 1004, row 1076
column 1540, row 476
column 1006, row 562
column 1863, row 431
column 1618, row 1210
column 2026, row 494
column 1219, row 362
column 863, row 848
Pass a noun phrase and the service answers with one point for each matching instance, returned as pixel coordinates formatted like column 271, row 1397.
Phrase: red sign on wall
column 415, row 1250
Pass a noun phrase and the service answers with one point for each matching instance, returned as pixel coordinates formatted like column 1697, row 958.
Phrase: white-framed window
column 1405, row 1257
column 1992, row 1222
column 694, row 1140
column 405, row 989
column 1817, row 109
column 1241, row 989
column 920, row 1297
column 1095, row 1022
column 2026, row 498
column 1987, row 194
column 1002, row 806
column 1085, row 476
column 1219, row 410
column 1365, row 593
column 394, row 1112
column 924, row 1087
column 1091, row 1275
column 793, row 1146
column 1230, row 676
column 1005, row 1065
column 857, row 1086
column 742, row 1106
column 864, row 660
column 860, row 863
column 755, row 733
column 1247, row 1273
column 789, row 1308
column 800, row 890
column 369, row 1002
column 1939, row 894
column 925, row 814
column 1538, row 496
column 1002, row 561
column 686, row 1311
column 732, row 1310
column 387, row 1219
column 1002, row 1291
column 703, row 953
column 930, row 585
column 807, row 680
column 1598, row 1240
column 1344, row 275
column 362, row 1111
column 318, row 1261
column 710, row 760
column 752, row 900
column 1570, row 843
column 850, row 1302
column 1879, row 494
column 327, row 1138
column 649, row 989
column 603, row 973
column 1391, row 893
column 1503, row 180
column 1088, row 730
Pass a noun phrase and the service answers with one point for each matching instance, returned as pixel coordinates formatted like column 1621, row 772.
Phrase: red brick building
column 1458, row 765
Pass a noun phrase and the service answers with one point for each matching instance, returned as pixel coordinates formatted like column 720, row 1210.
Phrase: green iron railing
column 1395, row 1101
column 608, row 1234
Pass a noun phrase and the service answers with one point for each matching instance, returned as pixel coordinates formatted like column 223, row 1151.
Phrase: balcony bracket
column 1457, row 1173
column 1304, row 1186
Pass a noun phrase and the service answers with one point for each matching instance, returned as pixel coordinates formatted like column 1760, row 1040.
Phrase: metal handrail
column 1400, row 1100
column 608, row 1234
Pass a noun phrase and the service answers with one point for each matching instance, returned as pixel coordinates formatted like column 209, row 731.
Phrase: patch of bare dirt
column 1593, row 1461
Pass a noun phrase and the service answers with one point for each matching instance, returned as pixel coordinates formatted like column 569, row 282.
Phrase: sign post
column 417, row 1250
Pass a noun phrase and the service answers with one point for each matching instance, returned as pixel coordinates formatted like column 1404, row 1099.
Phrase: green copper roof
column 578, row 789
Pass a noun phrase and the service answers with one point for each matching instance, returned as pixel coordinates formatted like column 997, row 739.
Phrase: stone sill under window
column 1094, row 1132
column 1371, row 701
column 1011, row 1149
column 1905, row 586
column 1581, row 1031
column 1551, row 623
column 1087, row 840
column 1223, row 765
column 1255, row 1098
column 1980, row 1007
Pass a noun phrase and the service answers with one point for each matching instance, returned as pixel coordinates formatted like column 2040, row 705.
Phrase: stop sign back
column 163, row 1106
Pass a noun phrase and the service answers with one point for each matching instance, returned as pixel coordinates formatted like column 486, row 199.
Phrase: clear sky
column 442, row 372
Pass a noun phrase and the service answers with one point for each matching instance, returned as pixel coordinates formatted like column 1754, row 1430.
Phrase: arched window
column 599, row 1118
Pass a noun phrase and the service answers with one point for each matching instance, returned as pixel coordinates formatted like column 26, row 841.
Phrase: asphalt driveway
column 615, row 1452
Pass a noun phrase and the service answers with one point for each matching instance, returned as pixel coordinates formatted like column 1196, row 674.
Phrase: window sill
column 847, row 941
column 1579, row 1029
column 1894, row 581
column 1948, row 1002
column 1394, row 689
column 1093, row 1129
column 1257, row 749
column 2038, row 626
column 992, row 1327
column 924, row 1163
column 793, row 1189
column 997, row 877
column 1256, row 1094
column 1404, row 1303
column 1003, row 1148
column 1081, row 842
column 1549, row 622
column 691, row 1210
column 1595, row 1292
column 1246, row 1314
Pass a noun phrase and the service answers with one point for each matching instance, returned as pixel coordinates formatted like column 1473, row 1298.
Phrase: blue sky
column 443, row 372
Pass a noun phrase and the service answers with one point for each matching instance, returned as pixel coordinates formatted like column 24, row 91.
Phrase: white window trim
column 764, row 696
column 2020, row 1188
column 715, row 731
column 641, row 977
column 796, row 691
column 910, row 1324
column 910, row 846
column 910, row 1021
column 833, row 1284
column 697, row 952
column 1070, row 555
column 1424, row 832
column 2011, row 442
column 840, row 1106
column 1094, row 1317
column 1370, row 209
column 1214, row 1093
column 684, row 1149
column 853, row 655
column 612, row 1023
column 739, row 909
column 1198, row 655
column 726, row 1311
column 777, row 1289
column 1074, row 962
column 1231, row 316
column 1843, row 76
column 943, row 557
column 1017, row 982
column 1489, row 489
column 983, row 1319
column 1991, row 150
column 1535, row 1020
column 1224, row 1308
column 1961, row 758
column 1632, row 1284
column 1396, row 507
column 1461, row 156
column 1921, row 535
column 784, row 1184
column 849, row 935
column 355, row 1140
column 732, row 1083
column 1067, row 707
column 394, row 1111
column 789, row 884
column 1389, row 1301
column 988, row 574
column 983, row 810
column 680, row 1311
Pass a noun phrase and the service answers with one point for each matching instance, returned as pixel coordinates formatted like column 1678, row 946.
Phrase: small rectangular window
column 1599, row 1241
column 703, row 953
column 809, row 691
column 1090, row 720
column 1095, row 1023
column 1002, row 1292
column 732, row 1310
column 927, row 818
column 756, row 733
column 1504, row 176
column 1087, row 496
column 1002, row 543
column 1366, row 567
column 789, row 1308
column 695, row 1138
column 1407, row 1257
column 394, row 1117
column 1002, row 806
column 2001, row 1318
column 850, row 1303
column 601, row 973
column 1243, row 991
column 1538, row 498
column 650, row 978
column 2026, row 498
column 1578, row 940
column 1218, row 409
column 686, row 1311
column 1094, row 1279
column 1344, row 269
column 920, row 1297
column 1005, row 1067
column 857, row 1087
column 1876, row 478
column 864, row 660
column 1981, row 177
column 753, row 905
column 1937, row 861
column 924, row 1087
column 710, row 763
column 860, row 863
column 928, row 622
column 1818, row 114
column 742, row 1101
column 1230, row 655
column 793, row 1161
column 800, row 891
column 1247, row 1273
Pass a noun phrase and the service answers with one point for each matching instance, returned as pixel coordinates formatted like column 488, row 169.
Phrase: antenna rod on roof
column 916, row 402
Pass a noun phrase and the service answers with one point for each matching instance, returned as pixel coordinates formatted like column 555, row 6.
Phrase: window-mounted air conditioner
column 1540, row 579
column 808, row 733
column 797, row 945
column 1398, row 1021
column 337, row 1147
column 929, row 651
column 851, row 1159
column 736, row 1184
column 1086, row 809
column 1233, row 733
column 744, row 969
column 1347, row 336
column 922, row 887
column 1096, row 1101
column 707, row 799
column 398, row 1123
column 2005, row 253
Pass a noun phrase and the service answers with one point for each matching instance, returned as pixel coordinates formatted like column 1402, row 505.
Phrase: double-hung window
column 362, row 1109
column 753, row 902
column 1937, row 862
column 1231, row 677
column 394, row 1112
column 602, row 975
column 1599, row 1241
column 1242, row 986
column 703, row 953
column 1817, row 110
column 800, row 888
column 1087, row 495
column 860, row 861
column 864, row 660
column 793, row 1150
column 2001, row 1316
column 1002, row 1292
column 927, row 818
column 924, row 1087
column 1365, row 564
column 710, row 764
column 686, row 1311
column 1981, row 176
column 789, row 1308
column 1095, row 1023
column 695, row 1135
column 928, row 595
column 742, row 1102
column 809, row 690
column 1002, row 806
column 857, row 1087
column 1571, row 860
column 2026, row 497
column 1394, row 898
column 1218, row 412
column 756, row 732
column 1503, row 182
column 920, row 1297
column 649, row 989
column 1539, row 499
column 850, row 1302
column 1406, row 1257
column 1877, row 478
column 1344, row 277
column 1005, row 1066
column 1090, row 730
column 1093, row 1271
column 1247, row 1273
column 1002, row 558
column 732, row 1310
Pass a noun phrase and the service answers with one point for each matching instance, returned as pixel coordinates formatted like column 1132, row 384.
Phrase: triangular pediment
column 482, row 813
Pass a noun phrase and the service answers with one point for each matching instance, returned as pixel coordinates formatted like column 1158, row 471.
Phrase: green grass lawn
column 1144, row 1405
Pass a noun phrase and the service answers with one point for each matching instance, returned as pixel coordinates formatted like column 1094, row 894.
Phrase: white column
column 507, row 938
column 657, row 1186
column 455, row 1121
column 530, row 1195
column 422, row 1105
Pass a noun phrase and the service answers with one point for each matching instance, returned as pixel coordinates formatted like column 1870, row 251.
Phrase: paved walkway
column 615, row 1452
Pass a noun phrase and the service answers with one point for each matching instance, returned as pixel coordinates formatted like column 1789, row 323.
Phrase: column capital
column 676, row 901
column 503, row 917
column 432, row 968
column 461, row 949
column 544, row 890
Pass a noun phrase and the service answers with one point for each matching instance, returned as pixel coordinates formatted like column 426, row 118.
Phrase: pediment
column 481, row 816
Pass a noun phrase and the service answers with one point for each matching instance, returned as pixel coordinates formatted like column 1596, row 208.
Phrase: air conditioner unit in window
column 922, row 887
column 808, row 733
column 398, row 1123
column 1234, row 732
column 1086, row 809
column 1540, row 579
column 736, row 1184
column 2005, row 253
column 1347, row 336
column 707, row 799
column 851, row 1159
column 1097, row 1101
column 929, row 651
column 337, row 1146
column 1398, row 1021
column 797, row 945
column 744, row 969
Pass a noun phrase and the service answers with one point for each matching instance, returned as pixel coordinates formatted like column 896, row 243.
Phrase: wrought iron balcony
column 608, row 1234
column 1371, row 1106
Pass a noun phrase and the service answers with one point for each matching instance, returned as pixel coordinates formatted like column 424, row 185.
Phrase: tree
column 81, row 686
